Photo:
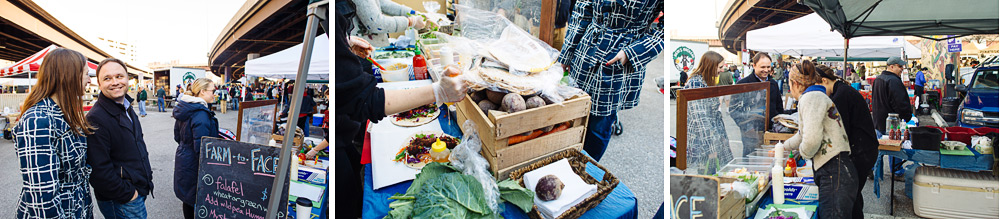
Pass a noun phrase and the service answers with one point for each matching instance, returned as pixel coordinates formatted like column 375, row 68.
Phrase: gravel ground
column 636, row 156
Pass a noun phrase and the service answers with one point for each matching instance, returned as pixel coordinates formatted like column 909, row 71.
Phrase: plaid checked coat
column 597, row 30
column 54, row 170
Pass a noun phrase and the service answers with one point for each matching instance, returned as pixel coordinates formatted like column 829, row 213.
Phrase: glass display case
column 717, row 125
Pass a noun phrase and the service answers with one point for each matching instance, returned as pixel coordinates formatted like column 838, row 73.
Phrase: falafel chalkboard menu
column 235, row 179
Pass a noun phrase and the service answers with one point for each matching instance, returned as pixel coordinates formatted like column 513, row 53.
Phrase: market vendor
column 822, row 139
column 610, row 64
column 889, row 95
column 374, row 20
column 358, row 101
column 860, row 132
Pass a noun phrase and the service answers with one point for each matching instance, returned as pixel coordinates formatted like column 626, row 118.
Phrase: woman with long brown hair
column 50, row 137
column 706, row 155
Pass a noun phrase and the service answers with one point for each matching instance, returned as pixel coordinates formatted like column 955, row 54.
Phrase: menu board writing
column 235, row 179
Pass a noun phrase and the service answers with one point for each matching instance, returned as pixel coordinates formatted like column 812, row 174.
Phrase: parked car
column 979, row 106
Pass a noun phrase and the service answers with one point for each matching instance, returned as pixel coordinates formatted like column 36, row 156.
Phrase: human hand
column 620, row 57
column 360, row 47
column 449, row 89
column 416, row 22
column 566, row 67
column 134, row 195
column 311, row 154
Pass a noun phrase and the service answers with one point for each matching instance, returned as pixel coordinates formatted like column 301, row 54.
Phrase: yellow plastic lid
column 788, row 168
column 438, row 146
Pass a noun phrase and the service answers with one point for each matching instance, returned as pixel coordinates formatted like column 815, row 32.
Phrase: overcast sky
column 161, row 30
column 694, row 18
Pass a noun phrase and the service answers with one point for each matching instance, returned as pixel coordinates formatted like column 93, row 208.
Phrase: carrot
column 560, row 127
column 522, row 138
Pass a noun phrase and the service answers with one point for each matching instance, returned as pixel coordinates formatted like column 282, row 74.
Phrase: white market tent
column 811, row 36
column 284, row 64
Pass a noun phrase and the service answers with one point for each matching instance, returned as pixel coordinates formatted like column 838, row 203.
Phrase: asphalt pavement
column 636, row 156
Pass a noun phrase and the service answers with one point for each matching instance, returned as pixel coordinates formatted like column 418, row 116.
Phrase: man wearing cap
column 889, row 95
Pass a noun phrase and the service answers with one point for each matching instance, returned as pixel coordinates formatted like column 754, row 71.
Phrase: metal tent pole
column 313, row 14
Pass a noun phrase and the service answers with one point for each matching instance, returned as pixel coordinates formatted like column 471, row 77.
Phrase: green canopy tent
column 921, row 18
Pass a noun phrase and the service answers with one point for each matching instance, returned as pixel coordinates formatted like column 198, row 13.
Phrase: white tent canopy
column 811, row 36
column 284, row 64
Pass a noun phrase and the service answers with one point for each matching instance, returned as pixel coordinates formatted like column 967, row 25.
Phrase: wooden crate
column 771, row 138
column 494, row 129
column 732, row 205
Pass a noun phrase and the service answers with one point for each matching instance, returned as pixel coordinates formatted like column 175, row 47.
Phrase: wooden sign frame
column 685, row 95
column 254, row 104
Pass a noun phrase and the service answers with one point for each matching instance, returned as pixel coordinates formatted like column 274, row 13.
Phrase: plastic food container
column 402, row 74
column 961, row 134
column 985, row 130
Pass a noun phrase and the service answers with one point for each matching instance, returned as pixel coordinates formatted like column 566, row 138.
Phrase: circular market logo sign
column 684, row 59
column 188, row 78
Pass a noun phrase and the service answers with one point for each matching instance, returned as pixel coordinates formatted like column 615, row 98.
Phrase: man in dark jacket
column 889, row 95
column 762, row 72
column 121, row 177
column 160, row 96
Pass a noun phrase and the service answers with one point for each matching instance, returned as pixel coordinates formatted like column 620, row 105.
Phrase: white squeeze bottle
column 777, row 176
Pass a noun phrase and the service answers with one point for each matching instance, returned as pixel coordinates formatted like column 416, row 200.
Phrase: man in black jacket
column 762, row 72
column 121, row 177
column 889, row 95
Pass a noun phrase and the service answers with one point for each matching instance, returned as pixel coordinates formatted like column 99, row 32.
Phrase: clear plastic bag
column 466, row 158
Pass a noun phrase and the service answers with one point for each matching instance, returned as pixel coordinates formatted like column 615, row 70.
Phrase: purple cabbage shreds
column 412, row 160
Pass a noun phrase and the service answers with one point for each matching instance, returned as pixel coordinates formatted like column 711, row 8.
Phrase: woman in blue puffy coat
column 194, row 120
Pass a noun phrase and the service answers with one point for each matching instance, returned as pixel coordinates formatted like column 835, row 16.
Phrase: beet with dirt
column 549, row 188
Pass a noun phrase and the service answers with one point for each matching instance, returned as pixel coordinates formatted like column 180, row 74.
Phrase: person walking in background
column 612, row 69
column 725, row 77
column 51, row 143
column 193, row 121
column 122, row 176
column 141, row 98
column 160, row 96
column 918, row 83
column 306, row 110
column 706, row 155
column 823, row 139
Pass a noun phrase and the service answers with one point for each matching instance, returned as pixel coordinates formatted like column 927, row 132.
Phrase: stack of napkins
column 576, row 189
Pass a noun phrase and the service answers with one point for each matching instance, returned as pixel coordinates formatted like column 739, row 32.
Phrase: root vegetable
column 478, row 96
column 495, row 97
column 486, row 106
column 534, row 102
column 512, row 103
column 549, row 188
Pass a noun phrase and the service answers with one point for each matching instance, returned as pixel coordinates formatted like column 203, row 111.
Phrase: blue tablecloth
column 621, row 203
column 977, row 162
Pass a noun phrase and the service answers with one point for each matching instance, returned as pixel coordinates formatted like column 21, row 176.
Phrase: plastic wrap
column 466, row 158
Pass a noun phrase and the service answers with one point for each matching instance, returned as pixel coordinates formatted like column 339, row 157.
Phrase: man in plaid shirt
column 606, row 49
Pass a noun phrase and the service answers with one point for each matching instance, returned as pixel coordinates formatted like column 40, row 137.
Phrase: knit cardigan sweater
column 821, row 134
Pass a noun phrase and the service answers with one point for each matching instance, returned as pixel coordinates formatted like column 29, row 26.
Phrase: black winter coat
column 775, row 105
column 117, row 152
column 857, row 122
column 889, row 96
column 194, row 121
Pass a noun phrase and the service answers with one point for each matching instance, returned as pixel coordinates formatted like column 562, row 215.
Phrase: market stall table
column 977, row 162
column 621, row 203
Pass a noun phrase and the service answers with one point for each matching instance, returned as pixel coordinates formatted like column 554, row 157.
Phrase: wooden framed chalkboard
column 694, row 196
column 234, row 179
column 256, row 121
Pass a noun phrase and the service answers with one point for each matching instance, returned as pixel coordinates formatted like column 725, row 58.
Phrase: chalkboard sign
column 693, row 196
column 235, row 179
column 256, row 121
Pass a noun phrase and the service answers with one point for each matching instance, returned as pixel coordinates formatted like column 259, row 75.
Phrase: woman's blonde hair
column 197, row 86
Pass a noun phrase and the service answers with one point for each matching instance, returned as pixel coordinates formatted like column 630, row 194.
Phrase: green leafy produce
column 512, row 192
column 441, row 191
column 392, row 55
